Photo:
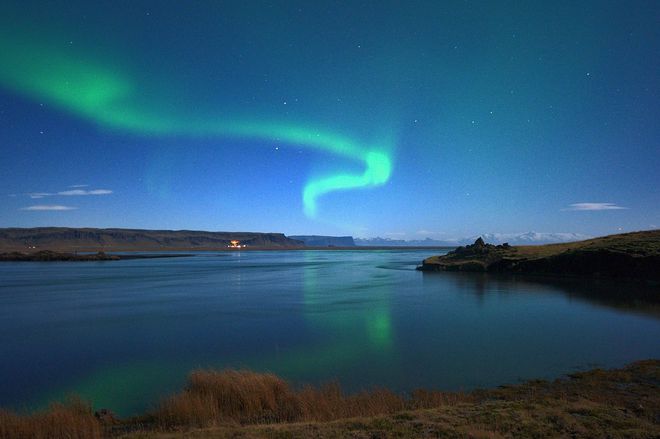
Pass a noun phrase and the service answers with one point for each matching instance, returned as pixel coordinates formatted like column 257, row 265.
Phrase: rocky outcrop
column 480, row 248
column 630, row 255
column 585, row 263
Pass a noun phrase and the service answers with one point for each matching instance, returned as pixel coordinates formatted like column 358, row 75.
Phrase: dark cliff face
column 591, row 263
column 73, row 238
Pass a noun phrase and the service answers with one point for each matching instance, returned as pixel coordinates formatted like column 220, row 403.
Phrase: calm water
column 125, row 333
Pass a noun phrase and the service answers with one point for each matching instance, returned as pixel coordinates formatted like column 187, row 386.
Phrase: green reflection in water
column 379, row 328
column 126, row 389
column 360, row 326
column 350, row 331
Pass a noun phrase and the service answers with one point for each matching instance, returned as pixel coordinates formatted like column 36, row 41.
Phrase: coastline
column 594, row 403
column 53, row 256
column 633, row 256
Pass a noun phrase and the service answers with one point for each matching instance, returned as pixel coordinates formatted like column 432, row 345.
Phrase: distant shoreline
column 113, row 250
column 52, row 256
column 68, row 255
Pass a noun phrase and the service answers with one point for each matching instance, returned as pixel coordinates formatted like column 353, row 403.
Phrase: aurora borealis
column 424, row 119
column 107, row 98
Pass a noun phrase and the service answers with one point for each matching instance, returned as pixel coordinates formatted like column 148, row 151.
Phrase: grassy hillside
column 630, row 255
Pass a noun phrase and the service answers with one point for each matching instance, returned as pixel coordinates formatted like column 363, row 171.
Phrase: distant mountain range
column 493, row 238
column 528, row 238
column 387, row 242
column 325, row 241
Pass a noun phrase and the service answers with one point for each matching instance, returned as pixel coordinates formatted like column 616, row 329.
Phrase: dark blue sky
column 400, row 119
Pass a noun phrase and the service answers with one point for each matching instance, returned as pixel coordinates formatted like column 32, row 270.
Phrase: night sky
column 398, row 119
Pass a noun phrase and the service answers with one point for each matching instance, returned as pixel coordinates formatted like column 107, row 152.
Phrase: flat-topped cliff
column 92, row 239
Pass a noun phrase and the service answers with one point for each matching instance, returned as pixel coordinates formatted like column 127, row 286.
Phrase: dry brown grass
column 72, row 420
column 230, row 404
column 424, row 399
column 244, row 397
column 220, row 396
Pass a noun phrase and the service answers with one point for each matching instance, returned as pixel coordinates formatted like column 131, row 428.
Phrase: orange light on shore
column 234, row 244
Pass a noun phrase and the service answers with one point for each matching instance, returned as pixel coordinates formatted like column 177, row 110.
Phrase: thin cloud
column 78, row 185
column 77, row 192
column 69, row 193
column 594, row 206
column 36, row 195
column 48, row 207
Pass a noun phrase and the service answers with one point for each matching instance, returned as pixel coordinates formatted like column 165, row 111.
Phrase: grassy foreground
column 598, row 403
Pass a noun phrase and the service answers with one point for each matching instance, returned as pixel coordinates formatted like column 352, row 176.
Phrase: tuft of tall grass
column 72, row 420
column 244, row 397
column 212, row 397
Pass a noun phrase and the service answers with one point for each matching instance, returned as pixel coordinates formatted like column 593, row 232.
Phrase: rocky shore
column 630, row 255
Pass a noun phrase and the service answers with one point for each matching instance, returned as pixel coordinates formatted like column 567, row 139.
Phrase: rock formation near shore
column 630, row 255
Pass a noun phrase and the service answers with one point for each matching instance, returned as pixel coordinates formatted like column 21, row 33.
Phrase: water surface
column 125, row 333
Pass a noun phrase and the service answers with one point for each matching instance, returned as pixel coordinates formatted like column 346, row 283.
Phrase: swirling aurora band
column 106, row 97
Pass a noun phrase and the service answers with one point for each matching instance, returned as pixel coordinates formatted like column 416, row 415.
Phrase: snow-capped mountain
column 529, row 238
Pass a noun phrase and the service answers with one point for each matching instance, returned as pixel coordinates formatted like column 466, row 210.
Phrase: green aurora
column 109, row 98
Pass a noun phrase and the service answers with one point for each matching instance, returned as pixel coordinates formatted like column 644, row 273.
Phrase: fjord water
column 125, row 333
